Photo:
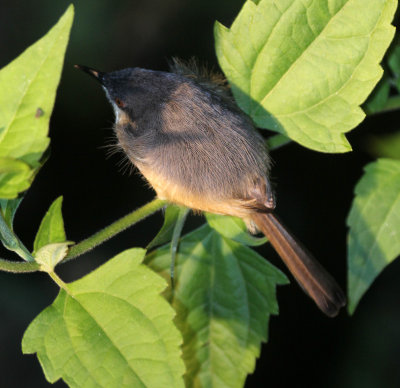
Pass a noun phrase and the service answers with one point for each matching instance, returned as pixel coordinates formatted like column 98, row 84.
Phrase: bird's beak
column 94, row 73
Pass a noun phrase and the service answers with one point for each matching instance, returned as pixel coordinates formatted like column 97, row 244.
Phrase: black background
column 314, row 192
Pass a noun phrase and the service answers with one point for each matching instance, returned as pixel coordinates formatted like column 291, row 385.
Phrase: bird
column 196, row 148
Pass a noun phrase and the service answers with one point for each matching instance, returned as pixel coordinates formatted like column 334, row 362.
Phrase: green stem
column 115, row 228
column 18, row 266
column 58, row 281
column 183, row 212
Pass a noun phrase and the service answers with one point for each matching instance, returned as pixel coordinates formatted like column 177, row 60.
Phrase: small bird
column 196, row 148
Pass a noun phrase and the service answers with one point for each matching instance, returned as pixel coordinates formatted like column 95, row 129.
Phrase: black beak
column 94, row 73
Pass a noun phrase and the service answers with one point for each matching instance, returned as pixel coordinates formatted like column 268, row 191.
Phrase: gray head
column 133, row 91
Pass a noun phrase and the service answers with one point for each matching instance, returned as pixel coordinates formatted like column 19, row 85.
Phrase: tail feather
column 311, row 276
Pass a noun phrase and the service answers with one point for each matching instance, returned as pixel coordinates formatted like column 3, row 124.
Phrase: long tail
column 311, row 276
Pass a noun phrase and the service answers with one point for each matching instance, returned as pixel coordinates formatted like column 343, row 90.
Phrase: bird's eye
column 119, row 103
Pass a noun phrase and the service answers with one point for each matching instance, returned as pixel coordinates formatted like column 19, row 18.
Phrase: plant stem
column 115, row 228
column 183, row 212
column 58, row 281
column 18, row 266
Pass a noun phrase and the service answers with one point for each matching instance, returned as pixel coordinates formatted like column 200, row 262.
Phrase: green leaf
column 394, row 65
column 377, row 100
column 276, row 141
column 303, row 67
column 166, row 231
column 224, row 295
column 51, row 229
column 233, row 228
column 374, row 221
column 50, row 255
column 111, row 328
column 7, row 236
column 387, row 146
column 15, row 176
column 27, row 91
column 394, row 61
column 8, row 209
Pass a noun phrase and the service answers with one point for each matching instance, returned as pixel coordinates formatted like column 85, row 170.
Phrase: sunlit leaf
column 15, row 176
column 233, row 228
column 50, row 255
column 27, row 91
column 224, row 294
column 111, row 328
column 51, row 229
column 303, row 67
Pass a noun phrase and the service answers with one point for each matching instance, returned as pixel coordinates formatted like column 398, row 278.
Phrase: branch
column 18, row 266
column 115, row 228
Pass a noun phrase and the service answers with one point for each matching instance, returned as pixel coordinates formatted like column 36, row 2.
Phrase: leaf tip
column 352, row 304
column 219, row 31
column 58, row 201
column 341, row 147
column 70, row 10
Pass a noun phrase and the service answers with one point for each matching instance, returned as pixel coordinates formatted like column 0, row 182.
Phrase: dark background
column 314, row 193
